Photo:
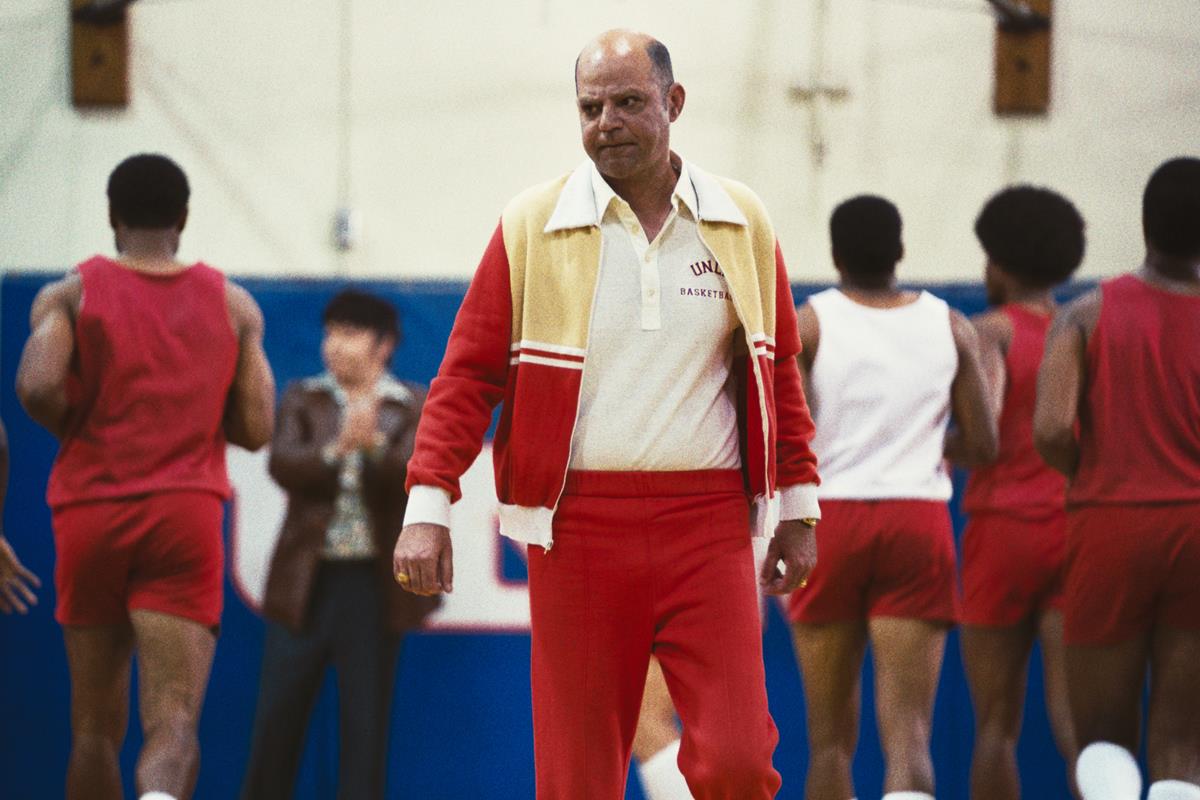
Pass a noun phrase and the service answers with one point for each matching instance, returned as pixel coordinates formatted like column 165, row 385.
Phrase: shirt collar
column 586, row 196
column 684, row 194
column 388, row 388
column 391, row 389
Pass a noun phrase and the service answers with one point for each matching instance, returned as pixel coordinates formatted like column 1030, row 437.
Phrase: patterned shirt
column 348, row 536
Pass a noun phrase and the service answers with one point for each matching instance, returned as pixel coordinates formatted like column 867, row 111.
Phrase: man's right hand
column 15, row 582
column 423, row 562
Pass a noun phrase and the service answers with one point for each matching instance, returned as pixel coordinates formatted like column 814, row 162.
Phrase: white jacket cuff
column 799, row 502
column 428, row 504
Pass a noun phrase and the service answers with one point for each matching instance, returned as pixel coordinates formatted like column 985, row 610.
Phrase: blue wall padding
column 461, row 717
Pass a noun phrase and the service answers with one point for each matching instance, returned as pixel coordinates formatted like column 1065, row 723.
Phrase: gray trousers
column 346, row 629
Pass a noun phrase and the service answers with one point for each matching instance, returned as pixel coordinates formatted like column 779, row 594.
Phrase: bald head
column 623, row 44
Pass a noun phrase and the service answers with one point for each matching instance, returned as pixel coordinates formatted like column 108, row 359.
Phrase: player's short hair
column 865, row 231
column 1171, row 208
column 1034, row 234
column 360, row 309
column 148, row 191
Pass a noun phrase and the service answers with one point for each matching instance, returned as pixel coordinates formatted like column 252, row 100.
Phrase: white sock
column 157, row 796
column 1173, row 790
column 660, row 775
column 907, row 796
column 1106, row 771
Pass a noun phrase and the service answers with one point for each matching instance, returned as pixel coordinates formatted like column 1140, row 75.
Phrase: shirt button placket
column 651, row 308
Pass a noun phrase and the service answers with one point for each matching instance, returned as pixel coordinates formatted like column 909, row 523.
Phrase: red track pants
column 649, row 563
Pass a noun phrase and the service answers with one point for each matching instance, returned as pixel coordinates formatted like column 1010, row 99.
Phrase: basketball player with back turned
column 1014, row 543
column 143, row 367
column 1118, row 413
column 887, row 368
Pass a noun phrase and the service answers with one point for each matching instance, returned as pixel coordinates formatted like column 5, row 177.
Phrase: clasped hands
column 359, row 429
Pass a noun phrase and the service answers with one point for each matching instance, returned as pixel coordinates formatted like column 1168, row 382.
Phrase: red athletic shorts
column 1130, row 568
column 880, row 558
column 158, row 552
column 1011, row 567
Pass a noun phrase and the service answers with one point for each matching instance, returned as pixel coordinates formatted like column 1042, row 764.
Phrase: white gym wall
column 455, row 106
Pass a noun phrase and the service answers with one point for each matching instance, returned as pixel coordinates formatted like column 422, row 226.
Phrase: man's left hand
column 795, row 545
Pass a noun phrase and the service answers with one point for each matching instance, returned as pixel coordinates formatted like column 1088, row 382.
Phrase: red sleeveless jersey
column 155, row 358
column 1140, row 417
column 1019, row 483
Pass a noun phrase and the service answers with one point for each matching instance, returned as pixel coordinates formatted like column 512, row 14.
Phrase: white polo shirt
column 656, row 391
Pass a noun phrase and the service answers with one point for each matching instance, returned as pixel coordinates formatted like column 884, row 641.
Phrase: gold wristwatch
column 810, row 521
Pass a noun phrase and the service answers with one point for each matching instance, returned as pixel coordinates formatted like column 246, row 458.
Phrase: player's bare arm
column 46, row 359
column 995, row 333
column 250, row 410
column 810, row 339
column 974, row 440
column 16, row 582
column 1061, row 383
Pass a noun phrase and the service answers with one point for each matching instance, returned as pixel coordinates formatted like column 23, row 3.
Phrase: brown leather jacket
column 307, row 420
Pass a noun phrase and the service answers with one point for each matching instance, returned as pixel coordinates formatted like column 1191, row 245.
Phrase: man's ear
column 182, row 221
column 387, row 344
column 675, row 99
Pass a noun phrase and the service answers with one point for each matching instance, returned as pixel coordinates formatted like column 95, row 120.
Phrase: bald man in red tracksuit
column 635, row 319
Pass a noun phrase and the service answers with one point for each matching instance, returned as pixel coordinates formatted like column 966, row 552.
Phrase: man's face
column 623, row 116
column 352, row 354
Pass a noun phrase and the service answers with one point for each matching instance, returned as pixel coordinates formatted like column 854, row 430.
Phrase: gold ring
column 803, row 582
column 402, row 577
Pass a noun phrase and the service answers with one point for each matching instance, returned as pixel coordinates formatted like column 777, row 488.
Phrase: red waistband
column 597, row 483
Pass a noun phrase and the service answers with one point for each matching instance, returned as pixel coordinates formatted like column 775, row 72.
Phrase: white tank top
column 880, row 396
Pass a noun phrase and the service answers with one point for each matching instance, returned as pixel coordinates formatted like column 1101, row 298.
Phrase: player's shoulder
column 990, row 318
column 806, row 314
column 992, row 325
column 1082, row 312
column 958, row 319
column 65, row 292
column 238, row 295
column 244, row 311
column 1084, row 303
column 962, row 330
column 809, row 327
